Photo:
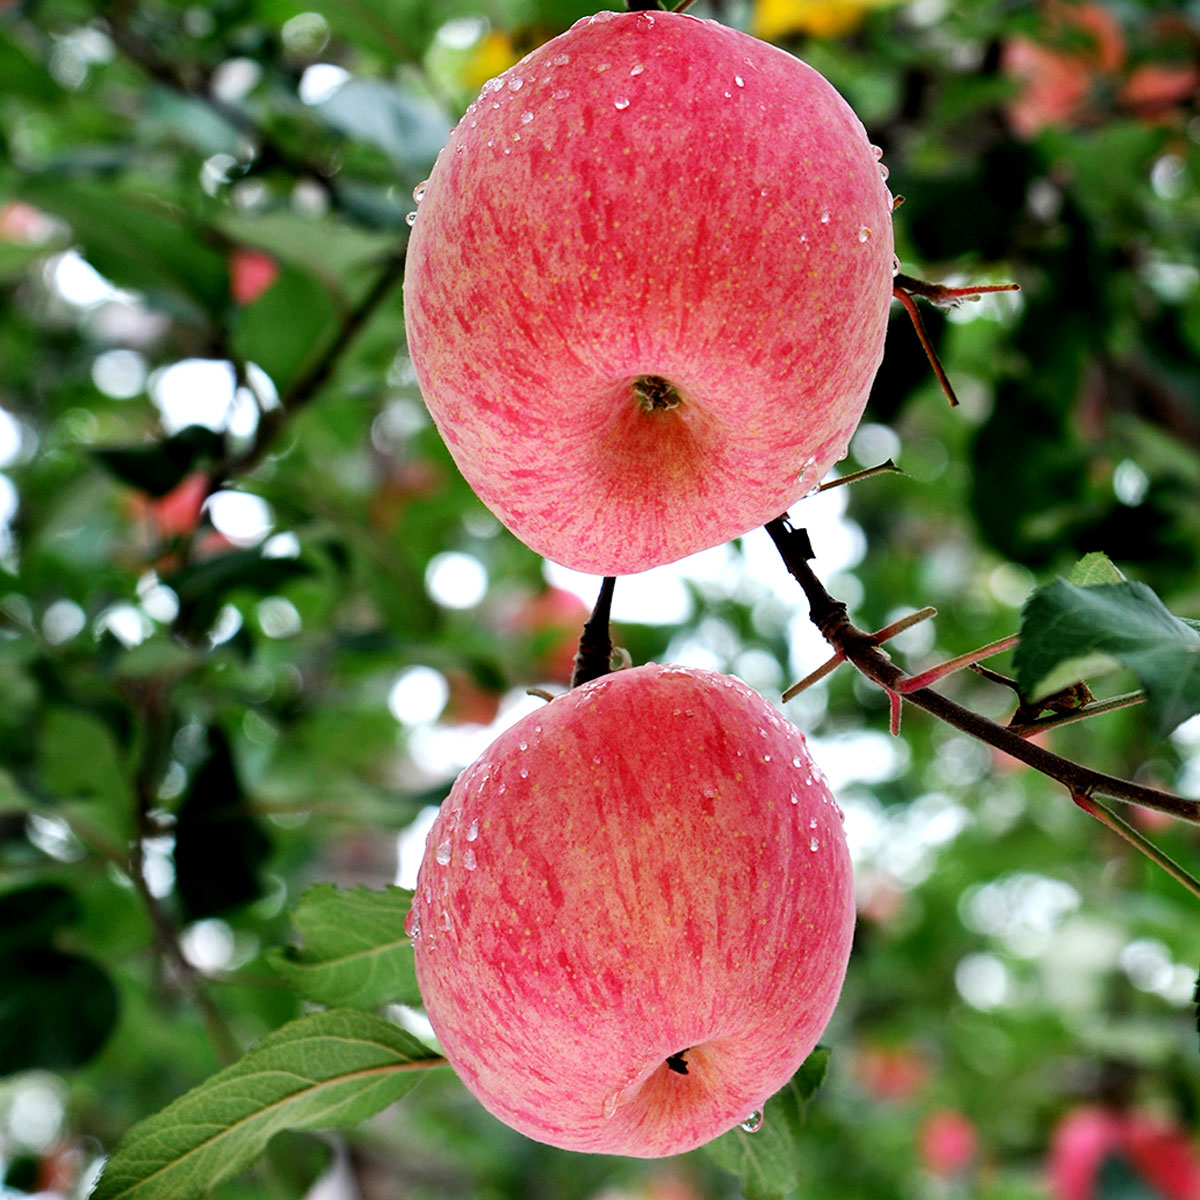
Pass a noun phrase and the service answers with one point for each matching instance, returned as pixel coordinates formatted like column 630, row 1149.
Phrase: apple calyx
column 656, row 394
column 678, row 1063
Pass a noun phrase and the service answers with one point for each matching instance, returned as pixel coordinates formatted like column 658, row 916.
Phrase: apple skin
column 651, row 865
column 649, row 197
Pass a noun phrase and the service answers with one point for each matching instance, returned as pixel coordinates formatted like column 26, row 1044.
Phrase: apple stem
column 914, row 315
column 594, row 657
column 886, row 467
column 861, row 648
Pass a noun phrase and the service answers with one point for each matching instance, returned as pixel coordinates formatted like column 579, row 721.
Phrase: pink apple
column 1160, row 1153
column 634, row 914
column 647, row 288
column 948, row 1142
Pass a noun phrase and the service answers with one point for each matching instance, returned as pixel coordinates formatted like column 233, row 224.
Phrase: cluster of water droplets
column 418, row 195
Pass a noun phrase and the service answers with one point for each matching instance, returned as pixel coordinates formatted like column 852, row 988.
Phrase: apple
column 549, row 623
column 647, row 288
column 1159, row 1153
column 948, row 1142
column 634, row 913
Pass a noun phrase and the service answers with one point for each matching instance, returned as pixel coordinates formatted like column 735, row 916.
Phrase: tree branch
column 861, row 648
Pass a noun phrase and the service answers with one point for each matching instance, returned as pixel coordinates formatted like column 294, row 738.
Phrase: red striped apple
column 634, row 914
column 647, row 288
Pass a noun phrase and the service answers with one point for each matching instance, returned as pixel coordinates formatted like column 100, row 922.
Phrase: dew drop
column 728, row 95
column 524, row 772
column 469, row 859
column 561, row 94
column 444, row 921
column 883, row 171
column 636, row 69
column 526, row 117
column 410, row 219
column 516, row 83
column 412, row 923
column 795, row 799
column 419, row 190
column 473, row 830
column 766, row 758
column 895, row 265
column 877, row 151
column 645, row 21
column 813, row 823
column 596, row 759
column 739, row 81
column 797, row 761
column 753, row 1123
column 560, row 60
column 814, row 845
column 621, row 103
column 825, row 217
column 602, row 67
column 443, row 854
column 864, row 233
column 522, row 745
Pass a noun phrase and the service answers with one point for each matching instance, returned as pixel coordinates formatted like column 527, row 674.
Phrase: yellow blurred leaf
column 775, row 19
column 490, row 56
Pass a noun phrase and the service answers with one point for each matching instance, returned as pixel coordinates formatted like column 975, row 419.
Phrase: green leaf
column 159, row 467
column 56, row 1010
column 409, row 129
column 1094, row 569
column 355, row 950
column 81, row 761
column 769, row 1159
column 30, row 915
column 326, row 1070
column 286, row 326
column 135, row 240
column 1068, row 632
column 219, row 845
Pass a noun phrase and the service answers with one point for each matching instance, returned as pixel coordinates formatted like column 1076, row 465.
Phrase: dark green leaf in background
column 1070, row 632
column 770, row 1160
column 56, row 1009
column 161, row 466
column 220, row 846
column 355, row 952
column 323, row 1071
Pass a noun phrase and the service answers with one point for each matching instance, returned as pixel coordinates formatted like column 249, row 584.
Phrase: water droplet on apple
column 795, row 799
column 797, row 761
column 596, row 759
column 443, row 854
column 524, row 772
column 883, row 171
column 637, row 69
column 877, row 151
column 895, row 265
column 469, row 860
column 864, row 233
column 419, row 190
column 602, row 67
column 728, row 95
column 561, row 94
column 766, row 758
column 473, row 830
column 814, row 845
column 621, row 103
column 444, row 921
column 645, row 21
column 739, row 81
column 825, row 217
column 516, row 83
column 753, row 1123
column 410, row 219
column 412, row 923
column 526, row 117
column 560, row 60
column 812, row 823
column 522, row 745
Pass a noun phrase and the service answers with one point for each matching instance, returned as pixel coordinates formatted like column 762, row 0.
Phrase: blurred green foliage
column 202, row 224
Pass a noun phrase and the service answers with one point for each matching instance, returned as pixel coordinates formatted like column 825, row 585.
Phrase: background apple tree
column 252, row 622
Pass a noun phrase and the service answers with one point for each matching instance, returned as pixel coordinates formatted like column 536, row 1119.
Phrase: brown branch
column 859, row 647
column 306, row 387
